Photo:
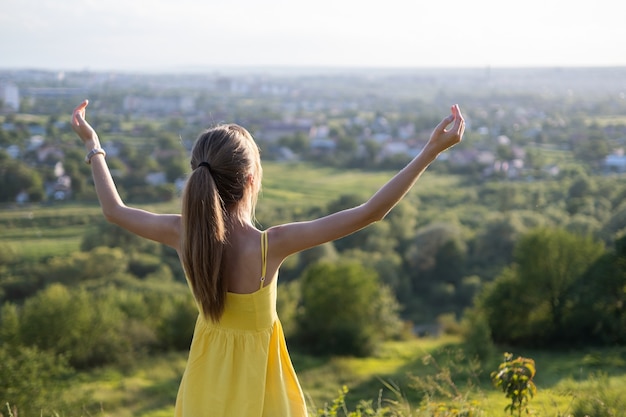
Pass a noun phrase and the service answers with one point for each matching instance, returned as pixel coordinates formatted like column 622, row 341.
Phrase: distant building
column 615, row 162
column 10, row 96
column 274, row 130
column 160, row 105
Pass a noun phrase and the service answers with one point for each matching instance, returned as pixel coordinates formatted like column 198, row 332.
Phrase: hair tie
column 205, row 164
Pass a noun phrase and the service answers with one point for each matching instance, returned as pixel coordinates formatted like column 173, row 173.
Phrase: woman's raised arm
column 160, row 228
column 294, row 237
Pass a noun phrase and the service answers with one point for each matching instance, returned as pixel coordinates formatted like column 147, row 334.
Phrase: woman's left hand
column 80, row 125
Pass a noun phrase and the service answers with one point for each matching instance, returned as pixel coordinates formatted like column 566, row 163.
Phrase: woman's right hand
column 443, row 138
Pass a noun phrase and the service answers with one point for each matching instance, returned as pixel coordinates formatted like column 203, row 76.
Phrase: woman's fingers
column 459, row 121
column 79, row 113
column 444, row 123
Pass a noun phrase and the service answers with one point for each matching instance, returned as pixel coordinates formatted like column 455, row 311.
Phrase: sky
column 171, row 35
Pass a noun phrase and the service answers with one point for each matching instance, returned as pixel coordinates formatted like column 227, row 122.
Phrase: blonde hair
column 219, row 191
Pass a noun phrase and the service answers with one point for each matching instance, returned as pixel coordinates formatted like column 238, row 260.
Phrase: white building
column 615, row 162
column 10, row 96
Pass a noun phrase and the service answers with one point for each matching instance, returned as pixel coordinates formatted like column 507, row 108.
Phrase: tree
column 529, row 303
column 600, row 313
column 344, row 309
column 436, row 255
column 66, row 322
column 493, row 247
column 171, row 157
column 616, row 224
column 551, row 262
column 505, row 304
column 16, row 177
column 298, row 143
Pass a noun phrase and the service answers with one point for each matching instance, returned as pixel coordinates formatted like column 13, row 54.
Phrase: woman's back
column 240, row 366
column 241, row 260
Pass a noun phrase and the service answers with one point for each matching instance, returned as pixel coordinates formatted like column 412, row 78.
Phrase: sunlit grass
column 148, row 387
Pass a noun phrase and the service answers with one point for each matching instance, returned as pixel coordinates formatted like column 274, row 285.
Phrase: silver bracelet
column 93, row 152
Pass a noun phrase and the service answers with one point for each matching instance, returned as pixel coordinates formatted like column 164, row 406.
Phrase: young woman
column 238, row 362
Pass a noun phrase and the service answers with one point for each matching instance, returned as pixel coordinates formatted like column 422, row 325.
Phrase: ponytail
column 218, row 193
column 204, row 236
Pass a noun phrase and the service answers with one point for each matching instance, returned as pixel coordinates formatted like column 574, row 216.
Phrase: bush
column 345, row 311
column 515, row 378
column 32, row 380
column 143, row 264
column 178, row 322
column 477, row 334
column 75, row 323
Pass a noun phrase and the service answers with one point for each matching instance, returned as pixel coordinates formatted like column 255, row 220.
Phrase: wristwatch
column 93, row 152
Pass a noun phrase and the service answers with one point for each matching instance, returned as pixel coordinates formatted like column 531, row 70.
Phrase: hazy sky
column 173, row 34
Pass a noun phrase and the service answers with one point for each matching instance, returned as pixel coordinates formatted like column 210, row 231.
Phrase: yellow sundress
column 240, row 367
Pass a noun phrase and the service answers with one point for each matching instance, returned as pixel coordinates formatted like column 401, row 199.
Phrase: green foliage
column 73, row 322
column 436, row 263
column 8, row 254
column 601, row 312
column 515, row 378
column 343, row 311
column 107, row 234
column 143, row 265
column 98, row 263
column 15, row 177
column 287, row 303
column 9, row 325
column 103, row 325
column 32, row 380
column 177, row 319
column 364, row 409
column 441, row 394
column 477, row 334
column 533, row 301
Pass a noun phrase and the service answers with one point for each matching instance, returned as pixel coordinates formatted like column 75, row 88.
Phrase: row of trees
column 105, row 305
column 398, row 267
column 122, row 296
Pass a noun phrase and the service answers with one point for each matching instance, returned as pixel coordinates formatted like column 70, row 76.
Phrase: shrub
column 177, row 324
column 345, row 310
column 32, row 380
column 86, row 328
column 477, row 334
column 515, row 378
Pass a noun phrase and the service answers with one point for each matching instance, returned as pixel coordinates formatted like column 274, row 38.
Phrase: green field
column 148, row 388
column 35, row 232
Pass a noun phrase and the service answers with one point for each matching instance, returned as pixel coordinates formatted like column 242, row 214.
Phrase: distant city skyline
column 167, row 35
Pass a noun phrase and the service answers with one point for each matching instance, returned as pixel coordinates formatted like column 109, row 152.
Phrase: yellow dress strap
column 263, row 257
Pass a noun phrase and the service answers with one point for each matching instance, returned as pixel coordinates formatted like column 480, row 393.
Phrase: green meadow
column 405, row 375
column 148, row 387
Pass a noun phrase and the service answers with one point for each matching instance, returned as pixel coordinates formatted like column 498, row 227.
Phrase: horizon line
column 302, row 68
